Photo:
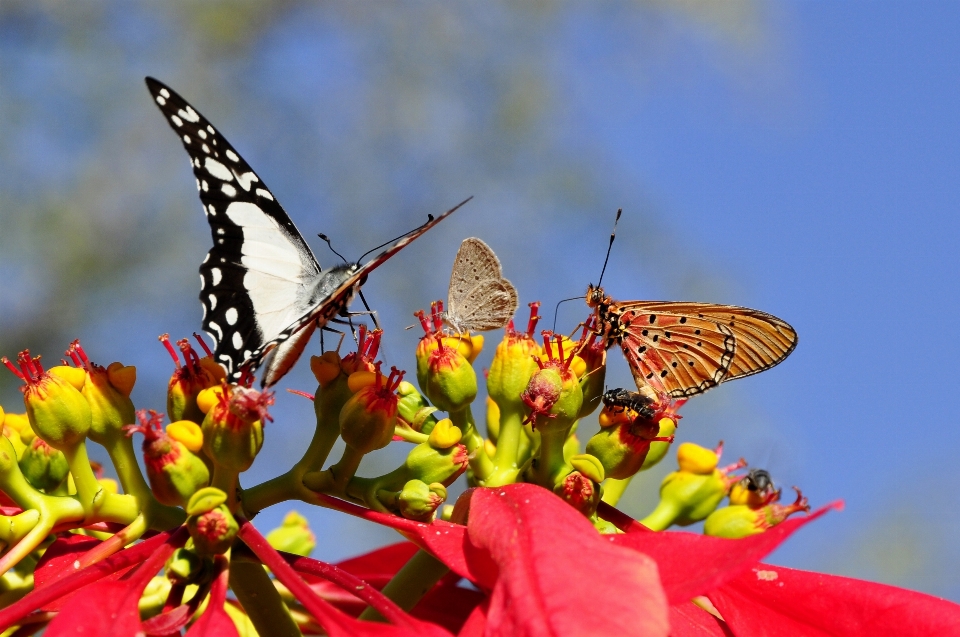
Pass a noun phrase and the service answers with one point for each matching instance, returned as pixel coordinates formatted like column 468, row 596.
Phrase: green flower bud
column 213, row 529
column 444, row 373
column 43, row 466
column 634, row 435
column 368, row 419
column 414, row 409
column 294, row 536
column 513, row 364
column 594, row 354
column 174, row 472
column 185, row 567
column 580, row 492
column 189, row 379
column 419, row 501
column 154, row 597
column 553, row 396
column 233, row 426
column 430, row 464
column 693, row 493
column 57, row 410
column 108, row 392
column 739, row 520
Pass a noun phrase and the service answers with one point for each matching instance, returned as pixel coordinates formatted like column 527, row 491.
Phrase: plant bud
column 43, row 466
column 419, row 501
column 739, row 520
column 444, row 374
column 185, row 567
column 57, row 410
column 635, row 434
column 294, row 536
column 580, row 492
column 189, row 379
column 414, row 409
column 368, row 419
column 108, row 392
column 554, row 396
column 431, row 464
column 513, row 364
column 173, row 471
column 213, row 531
column 233, row 427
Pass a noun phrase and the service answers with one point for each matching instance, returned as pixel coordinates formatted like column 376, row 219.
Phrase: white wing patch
column 217, row 169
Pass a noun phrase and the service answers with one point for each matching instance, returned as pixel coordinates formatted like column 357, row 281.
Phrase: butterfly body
column 262, row 290
column 683, row 349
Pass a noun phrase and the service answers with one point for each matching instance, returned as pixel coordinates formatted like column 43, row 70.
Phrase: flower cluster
column 536, row 533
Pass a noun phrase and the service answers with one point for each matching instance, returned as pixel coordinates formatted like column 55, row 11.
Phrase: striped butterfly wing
column 685, row 349
column 257, row 280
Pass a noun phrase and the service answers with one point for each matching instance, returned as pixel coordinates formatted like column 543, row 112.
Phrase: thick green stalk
column 506, row 460
column 480, row 462
column 259, row 597
column 613, row 489
column 158, row 516
column 551, row 464
column 411, row 583
column 662, row 517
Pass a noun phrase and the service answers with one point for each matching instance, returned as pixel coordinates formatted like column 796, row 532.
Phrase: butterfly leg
column 330, row 329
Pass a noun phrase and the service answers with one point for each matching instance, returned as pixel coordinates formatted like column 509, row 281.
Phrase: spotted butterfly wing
column 261, row 288
column 684, row 349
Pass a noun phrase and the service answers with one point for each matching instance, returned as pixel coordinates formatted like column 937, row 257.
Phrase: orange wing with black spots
column 685, row 349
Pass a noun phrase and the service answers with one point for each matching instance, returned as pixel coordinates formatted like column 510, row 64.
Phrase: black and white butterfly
column 261, row 288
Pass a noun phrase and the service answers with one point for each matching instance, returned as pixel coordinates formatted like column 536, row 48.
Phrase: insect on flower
column 262, row 290
column 685, row 348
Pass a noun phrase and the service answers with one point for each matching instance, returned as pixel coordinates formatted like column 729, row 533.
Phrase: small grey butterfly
column 479, row 299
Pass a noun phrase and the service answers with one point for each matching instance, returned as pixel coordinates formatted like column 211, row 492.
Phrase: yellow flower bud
column 693, row 458
column 188, row 433
column 445, row 434
column 325, row 367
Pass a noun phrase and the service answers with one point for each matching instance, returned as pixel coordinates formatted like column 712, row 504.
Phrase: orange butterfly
column 683, row 349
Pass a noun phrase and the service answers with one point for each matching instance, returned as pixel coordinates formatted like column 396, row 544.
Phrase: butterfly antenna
column 557, row 309
column 429, row 219
column 330, row 245
column 613, row 235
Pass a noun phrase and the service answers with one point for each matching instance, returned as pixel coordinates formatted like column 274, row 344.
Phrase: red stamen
column 64, row 363
column 566, row 363
column 546, row 344
column 396, row 377
column 301, row 393
column 379, row 378
column 362, row 340
column 246, row 377
column 375, row 343
column 165, row 339
column 189, row 355
column 532, row 324
column 75, row 346
column 510, row 328
column 438, row 316
column 10, row 366
column 203, row 345
column 420, row 314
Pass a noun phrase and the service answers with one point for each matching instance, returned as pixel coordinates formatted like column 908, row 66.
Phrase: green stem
column 613, row 489
column 506, row 460
column 88, row 489
column 480, row 462
column 410, row 435
column 661, row 518
column 259, row 597
column 158, row 516
column 345, row 469
column 551, row 464
column 227, row 480
column 411, row 583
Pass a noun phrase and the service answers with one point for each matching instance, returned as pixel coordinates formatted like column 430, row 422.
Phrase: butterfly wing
column 257, row 280
column 333, row 291
column 479, row 297
column 687, row 348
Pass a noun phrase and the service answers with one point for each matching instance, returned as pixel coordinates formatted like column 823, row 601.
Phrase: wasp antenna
column 613, row 235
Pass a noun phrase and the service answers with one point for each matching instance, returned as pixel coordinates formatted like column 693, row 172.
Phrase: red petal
column 115, row 613
column 448, row 605
column 65, row 583
column 692, row 564
column 555, row 570
column 774, row 601
column 476, row 623
column 689, row 620
column 379, row 565
column 215, row 622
